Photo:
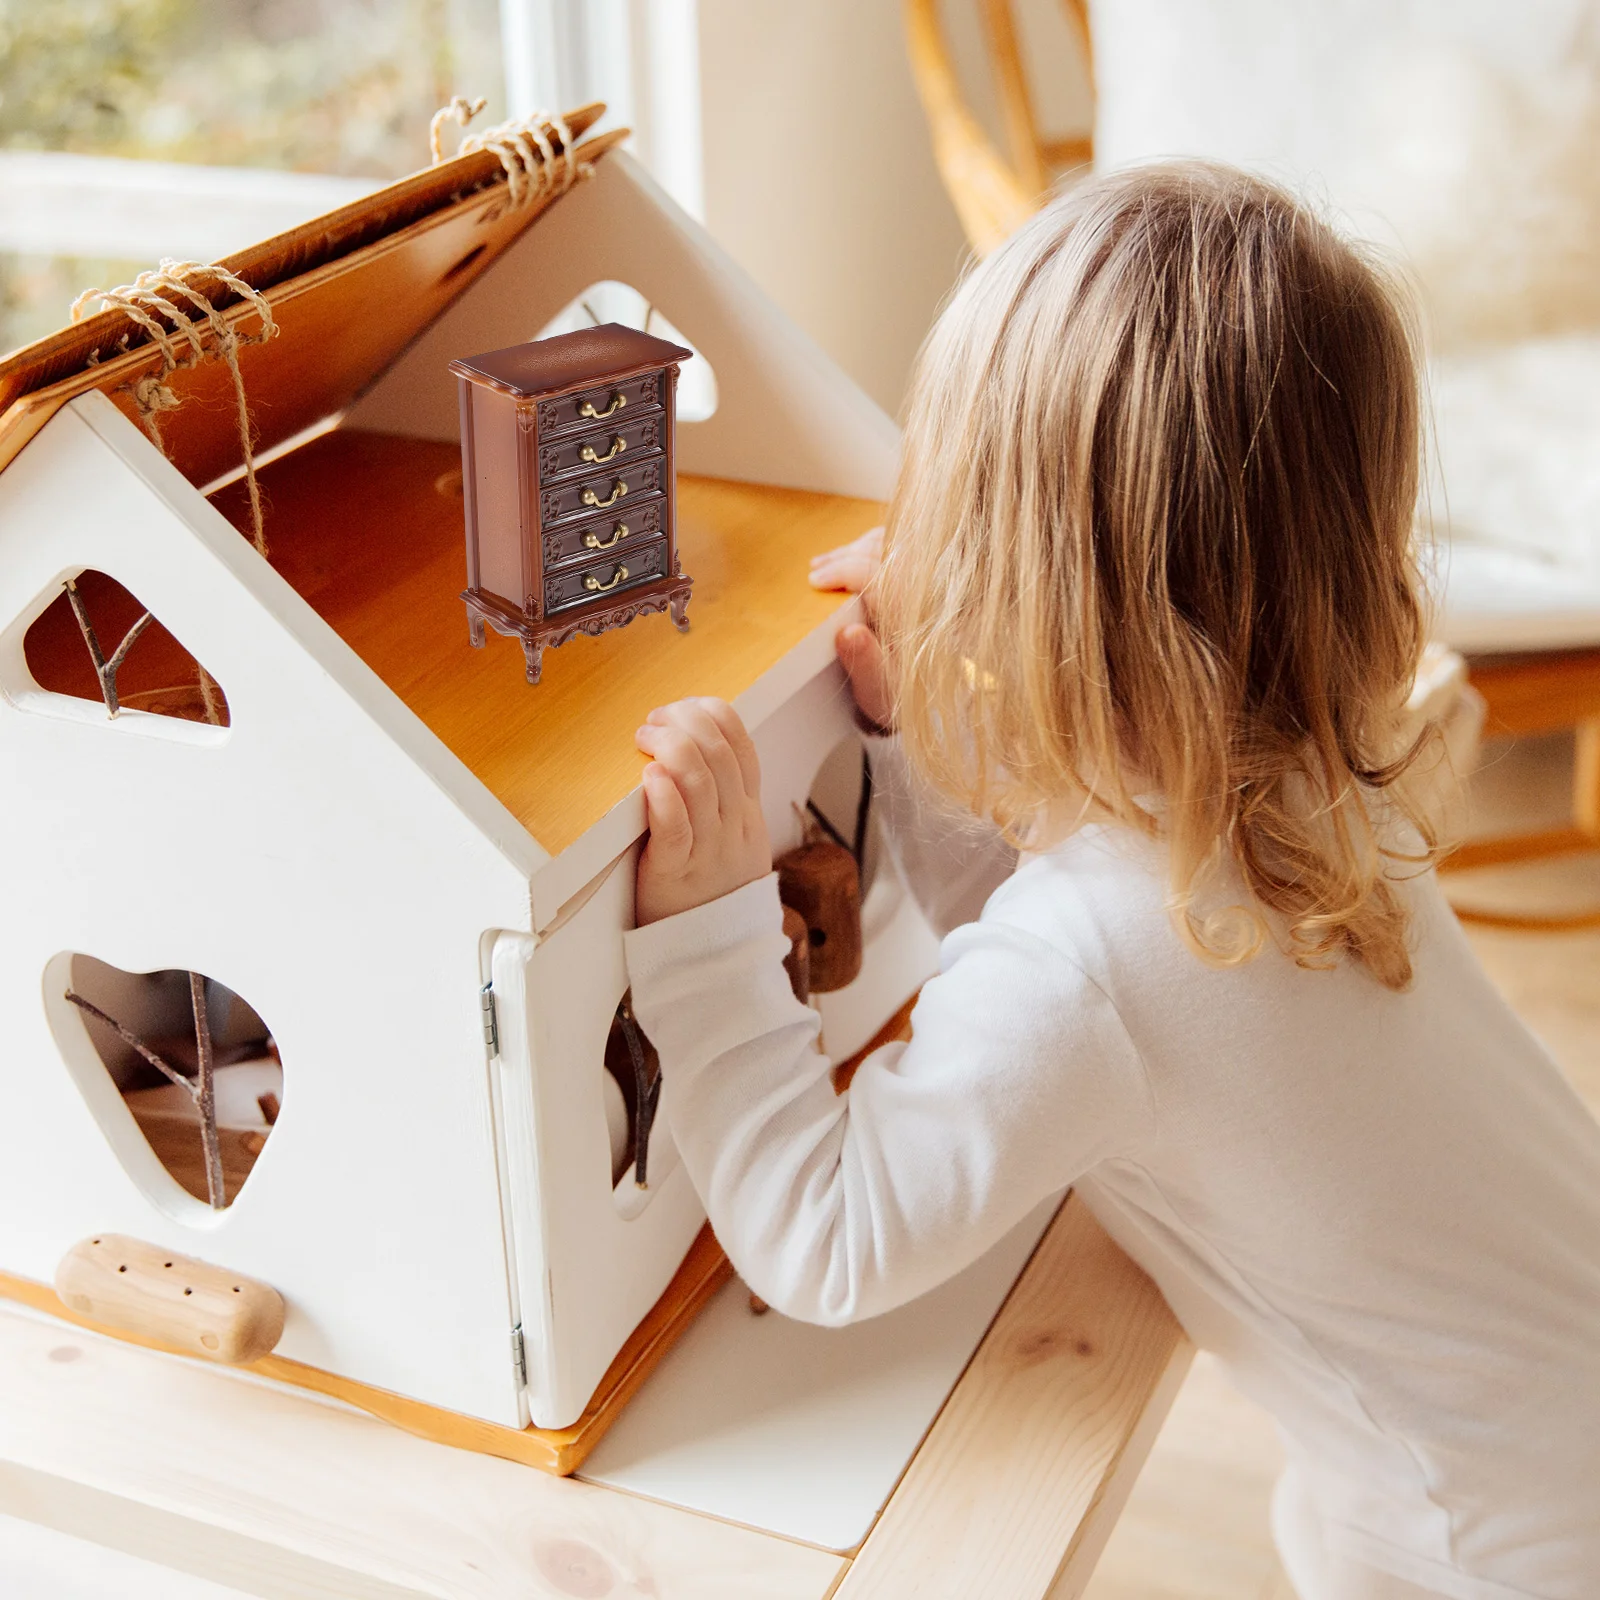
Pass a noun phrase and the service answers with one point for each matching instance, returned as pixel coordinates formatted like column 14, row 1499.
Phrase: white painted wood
column 589, row 1265
column 800, row 1430
column 786, row 414
column 282, row 1495
column 37, row 1563
column 587, row 1273
column 326, row 858
column 329, row 860
column 409, row 1210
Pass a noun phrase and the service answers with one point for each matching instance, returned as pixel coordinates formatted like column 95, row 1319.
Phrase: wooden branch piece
column 134, row 1042
column 206, row 1093
column 131, row 1287
column 104, row 670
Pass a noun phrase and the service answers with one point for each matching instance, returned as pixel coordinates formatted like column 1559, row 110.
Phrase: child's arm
column 951, row 863
column 1018, row 1078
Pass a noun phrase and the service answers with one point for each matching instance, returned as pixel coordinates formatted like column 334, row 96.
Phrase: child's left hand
column 703, row 795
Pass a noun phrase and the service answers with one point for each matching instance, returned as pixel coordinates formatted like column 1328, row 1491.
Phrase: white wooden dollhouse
column 401, row 863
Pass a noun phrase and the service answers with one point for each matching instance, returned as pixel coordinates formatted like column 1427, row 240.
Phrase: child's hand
column 854, row 566
column 703, row 794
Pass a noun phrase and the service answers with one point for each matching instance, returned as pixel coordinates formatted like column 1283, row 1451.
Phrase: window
column 191, row 1062
column 136, row 129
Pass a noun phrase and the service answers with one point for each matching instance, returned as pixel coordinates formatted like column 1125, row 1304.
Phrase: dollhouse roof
column 349, row 291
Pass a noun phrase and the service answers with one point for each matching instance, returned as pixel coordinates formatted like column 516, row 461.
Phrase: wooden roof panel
column 349, row 291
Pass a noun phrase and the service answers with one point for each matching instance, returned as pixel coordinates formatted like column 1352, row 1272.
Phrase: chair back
column 993, row 193
column 1464, row 133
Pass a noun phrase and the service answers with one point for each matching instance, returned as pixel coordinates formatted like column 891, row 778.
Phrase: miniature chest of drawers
column 567, row 479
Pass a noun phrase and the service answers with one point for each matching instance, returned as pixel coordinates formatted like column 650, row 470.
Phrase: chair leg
column 1585, row 832
column 1586, row 778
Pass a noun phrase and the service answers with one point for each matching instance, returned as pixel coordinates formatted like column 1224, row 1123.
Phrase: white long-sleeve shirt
column 1381, row 1210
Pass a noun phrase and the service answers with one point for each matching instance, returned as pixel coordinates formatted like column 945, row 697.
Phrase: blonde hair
column 1151, row 552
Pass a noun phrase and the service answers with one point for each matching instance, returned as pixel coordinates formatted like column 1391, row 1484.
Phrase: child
column 1147, row 603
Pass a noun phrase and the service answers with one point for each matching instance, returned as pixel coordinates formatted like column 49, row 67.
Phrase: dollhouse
column 388, row 879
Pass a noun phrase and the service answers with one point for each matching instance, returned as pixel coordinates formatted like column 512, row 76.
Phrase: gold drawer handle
column 593, row 541
column 618, row 401
column 618, row 445
column 594, row 585
column 590, row 498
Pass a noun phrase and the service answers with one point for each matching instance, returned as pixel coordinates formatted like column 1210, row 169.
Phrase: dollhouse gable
column 786, row 414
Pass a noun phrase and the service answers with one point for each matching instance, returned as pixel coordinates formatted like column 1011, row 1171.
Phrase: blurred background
column 132, row 129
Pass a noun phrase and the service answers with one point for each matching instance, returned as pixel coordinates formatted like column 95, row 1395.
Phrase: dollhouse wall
column 323, row 856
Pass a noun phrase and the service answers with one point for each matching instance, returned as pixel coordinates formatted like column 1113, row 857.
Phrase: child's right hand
column 852, row 567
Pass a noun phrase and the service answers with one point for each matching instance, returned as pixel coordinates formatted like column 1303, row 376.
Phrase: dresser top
column 569, row 360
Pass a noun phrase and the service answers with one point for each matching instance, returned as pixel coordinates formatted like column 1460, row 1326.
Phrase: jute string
column 533, row 165
column 148, row 301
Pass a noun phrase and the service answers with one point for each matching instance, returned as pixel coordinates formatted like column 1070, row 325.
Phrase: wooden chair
column 1537, row 662
column 991, row 194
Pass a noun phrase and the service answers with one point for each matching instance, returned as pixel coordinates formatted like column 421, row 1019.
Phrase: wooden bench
column 1012, row 1494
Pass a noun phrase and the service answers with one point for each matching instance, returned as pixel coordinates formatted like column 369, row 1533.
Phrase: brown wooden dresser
column 568, row 486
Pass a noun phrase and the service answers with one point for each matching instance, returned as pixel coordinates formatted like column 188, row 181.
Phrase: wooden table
column 273, row 1492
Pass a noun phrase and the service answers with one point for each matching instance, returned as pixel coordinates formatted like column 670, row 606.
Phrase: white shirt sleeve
column 950, row 862
column 1018, row 1078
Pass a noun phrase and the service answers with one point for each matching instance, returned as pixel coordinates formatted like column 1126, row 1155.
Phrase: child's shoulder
column 1096, row 896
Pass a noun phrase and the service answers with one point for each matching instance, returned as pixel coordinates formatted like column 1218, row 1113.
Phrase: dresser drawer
column 611, row 403
column 616, row 532
column 588, row 496
column 599, row 580
column 594, row 449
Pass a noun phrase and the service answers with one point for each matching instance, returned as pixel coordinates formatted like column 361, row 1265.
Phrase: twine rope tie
column 526, row 147
column 149, row 303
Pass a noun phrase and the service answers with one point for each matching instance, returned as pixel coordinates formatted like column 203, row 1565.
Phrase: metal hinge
column 491, row 1019
column 519, row 1355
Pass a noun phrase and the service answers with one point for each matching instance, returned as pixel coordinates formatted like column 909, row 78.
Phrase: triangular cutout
column 156, row 675
column 786, row 415
column 151, row 1031
column 611, row 301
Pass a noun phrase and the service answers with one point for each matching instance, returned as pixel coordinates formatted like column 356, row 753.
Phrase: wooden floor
column 1196, row 1525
